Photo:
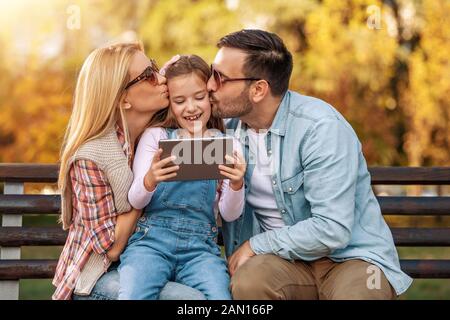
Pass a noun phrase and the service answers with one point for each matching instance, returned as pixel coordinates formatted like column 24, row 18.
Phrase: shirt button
column 142, row 219
column 269, row 152
column 283, row 211
column 215, row 239
column 290, row 189
column 214, row 229
column 138, row 229
column 274, row 182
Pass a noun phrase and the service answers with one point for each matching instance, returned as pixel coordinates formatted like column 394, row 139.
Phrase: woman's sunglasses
column 150, row 73
column 220, row 80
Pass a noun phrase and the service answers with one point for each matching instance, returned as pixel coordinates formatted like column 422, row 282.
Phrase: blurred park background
column 383, row 64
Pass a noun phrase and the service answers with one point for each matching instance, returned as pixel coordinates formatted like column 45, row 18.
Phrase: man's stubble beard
column 238, row 107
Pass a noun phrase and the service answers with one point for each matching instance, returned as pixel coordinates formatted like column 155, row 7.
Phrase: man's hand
column 241, row 256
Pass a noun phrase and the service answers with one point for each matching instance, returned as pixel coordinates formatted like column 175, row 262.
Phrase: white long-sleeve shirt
column 230, row 203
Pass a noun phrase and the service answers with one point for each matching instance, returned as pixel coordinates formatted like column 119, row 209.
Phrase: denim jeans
column 172, row 249
column 107, row 288
column 175, row 240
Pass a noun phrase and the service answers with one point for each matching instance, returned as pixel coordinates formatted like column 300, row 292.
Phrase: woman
column 118, row 91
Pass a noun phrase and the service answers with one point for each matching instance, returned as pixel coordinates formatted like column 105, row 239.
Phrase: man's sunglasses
column 220, row 80
column 150, row 73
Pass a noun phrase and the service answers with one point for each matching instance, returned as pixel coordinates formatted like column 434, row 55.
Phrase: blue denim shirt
column 322, row 189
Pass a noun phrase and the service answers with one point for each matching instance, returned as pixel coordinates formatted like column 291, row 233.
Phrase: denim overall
column 175, row 240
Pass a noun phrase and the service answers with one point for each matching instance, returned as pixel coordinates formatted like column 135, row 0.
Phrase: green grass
column 36, row 289
column 426, row 289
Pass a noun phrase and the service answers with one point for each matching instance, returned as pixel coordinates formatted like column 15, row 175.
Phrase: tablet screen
column 198, row 158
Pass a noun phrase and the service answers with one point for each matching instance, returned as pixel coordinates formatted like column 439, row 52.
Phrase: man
column 312, row 227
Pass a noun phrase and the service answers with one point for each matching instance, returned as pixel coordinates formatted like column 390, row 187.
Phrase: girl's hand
column 235, row 173
column 157, row 173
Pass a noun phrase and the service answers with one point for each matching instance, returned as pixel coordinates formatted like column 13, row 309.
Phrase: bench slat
column 410, row 175
column 27, row 269
column 53, row 236
column 426, row 269
column 421, row 237
column 30, row 204
column 32, row 236
column 50, row 204
column 435, row 206
column 45, row 269
column 23, row 172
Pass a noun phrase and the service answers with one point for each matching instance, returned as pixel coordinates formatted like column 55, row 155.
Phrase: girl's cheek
column 207, row 105
column 176, row 109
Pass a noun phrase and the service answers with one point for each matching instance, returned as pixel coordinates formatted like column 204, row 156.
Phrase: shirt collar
column 278, row 126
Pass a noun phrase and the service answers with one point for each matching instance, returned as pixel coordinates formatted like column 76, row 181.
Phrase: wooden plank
column 30, row 204
column 426, row 269
column 421, row 237
column 435, row 206
column 27, row 269
column 410, row 175
column 50, row 204
column 44, row 269
column 23, row 172
column 53, row 236
column 32, row 236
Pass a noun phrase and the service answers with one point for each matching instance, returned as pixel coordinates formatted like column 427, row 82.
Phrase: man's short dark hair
column 267, row 57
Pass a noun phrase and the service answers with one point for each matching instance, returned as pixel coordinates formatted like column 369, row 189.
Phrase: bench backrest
column 14, row 204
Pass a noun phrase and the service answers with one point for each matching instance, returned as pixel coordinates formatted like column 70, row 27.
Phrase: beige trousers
column 269, row 277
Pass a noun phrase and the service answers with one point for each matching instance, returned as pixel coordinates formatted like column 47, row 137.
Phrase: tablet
column 198, row 158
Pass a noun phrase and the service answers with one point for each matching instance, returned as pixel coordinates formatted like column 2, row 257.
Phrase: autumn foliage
column 384, row 65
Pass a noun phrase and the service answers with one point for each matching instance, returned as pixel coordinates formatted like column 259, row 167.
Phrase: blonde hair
column 98, row 94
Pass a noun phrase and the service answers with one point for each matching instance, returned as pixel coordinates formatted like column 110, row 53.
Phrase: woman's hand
column 125, row 225
column 169, row 63
column 157, row 173
column 235, row 173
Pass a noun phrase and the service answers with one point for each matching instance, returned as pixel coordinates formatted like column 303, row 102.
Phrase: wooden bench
column 14, row 204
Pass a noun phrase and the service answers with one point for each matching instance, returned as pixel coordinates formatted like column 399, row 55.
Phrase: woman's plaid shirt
column 93, row 222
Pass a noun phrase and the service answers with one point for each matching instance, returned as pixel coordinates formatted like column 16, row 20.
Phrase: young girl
column 176, row 237
column 118, row 92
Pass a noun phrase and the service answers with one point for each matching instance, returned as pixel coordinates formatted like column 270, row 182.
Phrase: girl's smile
column 189, row 102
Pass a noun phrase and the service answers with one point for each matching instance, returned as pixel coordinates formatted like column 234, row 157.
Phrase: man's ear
column 260, row 89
